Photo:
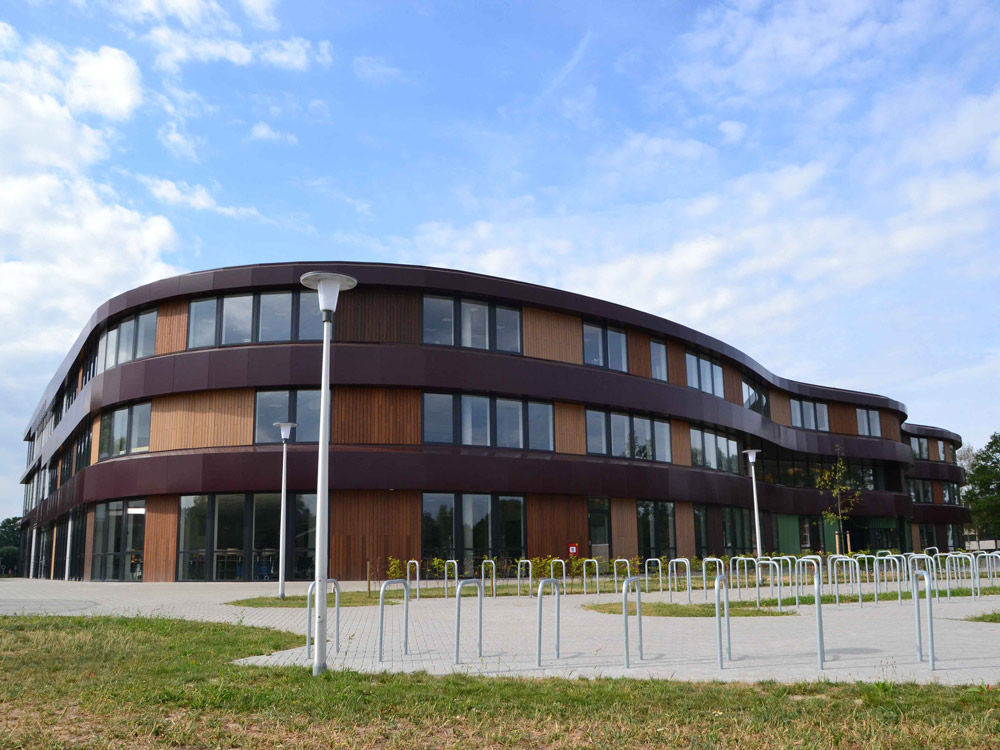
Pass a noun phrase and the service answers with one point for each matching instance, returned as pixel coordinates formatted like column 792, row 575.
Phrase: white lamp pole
column 752, row 458
column 34, row 541
column 328, row 286
column 286, row 433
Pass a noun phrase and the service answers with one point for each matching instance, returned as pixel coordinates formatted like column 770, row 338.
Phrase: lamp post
column 286, row 433
column 752, row 458
column 328, row 287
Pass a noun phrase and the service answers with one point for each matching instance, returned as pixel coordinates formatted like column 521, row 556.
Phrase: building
column 471, row 416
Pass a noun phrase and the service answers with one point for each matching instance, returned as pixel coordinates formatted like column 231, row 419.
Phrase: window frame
column 492, row 306
column 255, row 296
column 292, row 414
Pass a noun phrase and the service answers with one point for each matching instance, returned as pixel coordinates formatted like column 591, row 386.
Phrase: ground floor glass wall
column 472, row 526
column 119, row 540
column 657, row 536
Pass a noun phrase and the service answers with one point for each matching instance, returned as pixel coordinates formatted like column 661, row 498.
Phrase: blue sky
column 817, row 184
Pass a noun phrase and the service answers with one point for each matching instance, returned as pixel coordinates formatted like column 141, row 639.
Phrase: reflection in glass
column 597, row 441
column 275, row 322
column 540, row 427
column 139, row 439
column 476, row 531
column 266, row 535
column 304, row 528
column 126, row 340
column 438, row 524
column 510, row 431
column 237, row 317
column 691, row 363
column 310, row 318
column 145, row 340
column 439, row 320
column 475, row 324
column 508, row 329
column 661, row 440
column 617, row 350
column 439, row 426
column 306, row 416
column 642, row 446
column 510, row 509
column 593, row 345
column 620, row 436
column 111, row 353
column 229, row 510
column 475, row 420
column 272, row 406
column 658, row 360
column 201, row 323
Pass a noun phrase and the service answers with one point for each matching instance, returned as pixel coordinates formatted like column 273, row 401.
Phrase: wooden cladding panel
column 624, row 528
column 949, row 452
column 160, row 556
column 376, row 416
column 732, row 381
column 201, row 420
column 843, row 418
column 372, row 525
column 684, row 529
column 937, row 491
column 638, row 354
column 915, row 537
column 680, row 442
column 889, row 423
column 378, row 315
column 932, row 446
column 781, row 408
column 88, row 545
column 552, row 335
column 571, row 428
column 676, row 368
column 95, row 440
column 171, row 326
column 554, row 521
column 52, row 556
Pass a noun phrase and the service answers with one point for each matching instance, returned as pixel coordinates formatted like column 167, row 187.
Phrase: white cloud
column 319, row 108
column 107, row 82
column 264, row 132
column 178, row 142
column 375, row 71
column 261, row 13
column 563, row 73
column 732, row 131
column 289, row 54
column 193, row 196
column 175, row 48
column 329, row 189
column 203, row 15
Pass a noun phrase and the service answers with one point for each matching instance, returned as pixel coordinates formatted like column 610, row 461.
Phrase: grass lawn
column 120, row 682
column 985, row 617
column 666, row 609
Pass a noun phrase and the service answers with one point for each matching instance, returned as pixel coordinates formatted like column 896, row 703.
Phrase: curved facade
column 472, row 416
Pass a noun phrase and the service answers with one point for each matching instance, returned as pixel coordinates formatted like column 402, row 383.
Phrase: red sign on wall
column 572, row 549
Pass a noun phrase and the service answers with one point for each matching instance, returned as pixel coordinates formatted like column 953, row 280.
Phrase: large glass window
column 300, row 407
column 656, row 529
column 475, row 324
column 869, row 424
column 714, row 450
column 477, row 538
column 510, row 430
column 755, row 396
column 126, row 340
column 810, row 415
column 275, row 320
column 593, row 345
column 599, row 527
column 145, row 339
column 475, row 420
column 620, row 436
column 111, row 352
column 642, row 438
column 597, row 427
column 704, row 374
column 697, row 448
column 135, row 539
column 508, row 329
column 617, row 350
column 272, row 406
column 439, row 320
column 438, row 525
column 237, row 319
column 304, row 529
column 306, row 416
column 540, row 427
column 661, row 440
column 201, row 323
column 266, row 535
column 310, row 327
column 658, row 360
column 139, row 437
column 229, row 542
column 438, row 414
column 510, row 527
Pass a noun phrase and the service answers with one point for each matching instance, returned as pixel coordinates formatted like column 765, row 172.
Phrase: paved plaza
column 870, row 643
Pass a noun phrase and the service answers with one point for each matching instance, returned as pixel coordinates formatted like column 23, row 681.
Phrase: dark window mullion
column 456, row 419
column 247, row 536
column 255, row 319
column 210, row 539
column 457, row 538
column 456, row 322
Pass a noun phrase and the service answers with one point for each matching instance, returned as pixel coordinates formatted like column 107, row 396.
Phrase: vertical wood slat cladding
column 371, row 525
column 680, row 442
column 554, row 521
column 171, row 327
column 376, row 416
column 937, row 491
column 949, row 452
column 639, row 362
column 95, row 440
column 915, row 537
column 932, row 448
column 624, row 528
column 676, row 368
column 732, row 381
column 201, row 420
column 378, row 315
column 889, row 423
column 684, row 529
column 88, row 545
column 160, row 555
column 552, row 335
column 843, row 418
column 571, row 428
column 781, row 408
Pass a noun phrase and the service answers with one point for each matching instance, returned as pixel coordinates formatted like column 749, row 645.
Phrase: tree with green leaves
column 982, row 493
column 10, row 544
column 837, row 482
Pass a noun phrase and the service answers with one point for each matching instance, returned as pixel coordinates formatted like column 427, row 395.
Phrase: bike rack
column 659, row 566
column 458, row 614
column 853, row 574
column 771, row 566
column 927, row 551
column 722, row 583
column 672, row 575
column 930, row 567
column 597, row 574
column 493, row 580
column 406, row 614
column 884, row 562
column 446, row 564
column 552, row 571
column 626, row 584
column 961, row 559
column 818, row 596
column 883, row 552
column 554, row 585
column 801, row 564
column 416, row 564
column 865, row 558
column 628, row 569
column 520, row 564
column 917, row 575
column 734, row 572
column 336, row 615
column 720, row 569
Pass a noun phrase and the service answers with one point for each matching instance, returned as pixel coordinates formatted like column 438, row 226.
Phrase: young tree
column 983, row 490
column 843, row 491
column 9, row 535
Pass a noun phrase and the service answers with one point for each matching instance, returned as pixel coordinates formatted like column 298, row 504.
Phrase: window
column 921, row 490
column 126, row 340
column 438, row 525
column 540, row 427
column 483, row 525
column 510, row 423
column 656, row 529
column 299, row 406
column 755, row 397
column 919, row 447
column 713, row 450
column 940, row 450
column 737, row 531
column 642, row 438
column 605, row 346
column 228, row 538
column 701, row 531
column 303, row 518
column 310, row 323
column 704, row 374
column 201, row 323
column 593, row 345
column 518, row 424
column 124, row 430
column 237, row 319
column 267, row 317
column 810, row 415
column 628, row 436
column 145, row 337
column 950, row 492
column 617, row 350
column 83, row 448
column 599, row 527
column 475, row 418
column 438, row 418
column 479, row 324
column 111, row 352
column 597, row 441
column 266, row 532
column 119, row 540
column 658, row 360
column 275, row 322
column 868, row 423
column 621, row 434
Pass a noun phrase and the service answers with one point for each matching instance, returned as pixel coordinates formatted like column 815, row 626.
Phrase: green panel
column 830, row 536
column 788, row 534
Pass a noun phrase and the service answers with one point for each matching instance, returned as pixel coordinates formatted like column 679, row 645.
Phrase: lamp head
column 752, row 455
column 328, row 286
column 286, row 429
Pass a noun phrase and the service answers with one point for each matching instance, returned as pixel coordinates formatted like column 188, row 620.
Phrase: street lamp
column 752, row 458
column 286, row 433
column 328, row 287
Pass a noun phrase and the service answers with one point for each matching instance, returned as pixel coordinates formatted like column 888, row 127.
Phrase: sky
column 817, row 184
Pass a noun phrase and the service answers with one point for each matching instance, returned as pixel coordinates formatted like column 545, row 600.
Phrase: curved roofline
column 923, row 430
column 233, row 278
